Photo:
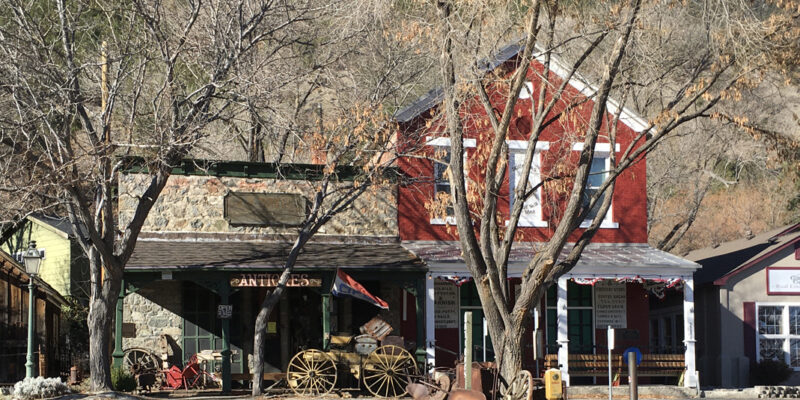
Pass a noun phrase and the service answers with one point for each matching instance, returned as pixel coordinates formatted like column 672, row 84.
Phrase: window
column 598, row 173
column 440, row 181
column 532, row 209
column 20, row 256
column 778, row 333
column 580, row 319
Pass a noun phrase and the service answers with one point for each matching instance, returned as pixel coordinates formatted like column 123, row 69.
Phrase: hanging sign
column 271, row 280
column 224, row 311
column 610, row 305
column 445, row 304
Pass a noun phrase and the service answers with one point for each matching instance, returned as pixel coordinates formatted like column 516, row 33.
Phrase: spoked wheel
column 311, row 372
column 521, row 387
column 140, row 360
column 387, row 371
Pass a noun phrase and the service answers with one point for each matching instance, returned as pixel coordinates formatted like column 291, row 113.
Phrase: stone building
column 214, row 244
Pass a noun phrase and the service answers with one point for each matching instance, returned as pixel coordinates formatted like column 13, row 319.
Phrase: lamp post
column 32, row 259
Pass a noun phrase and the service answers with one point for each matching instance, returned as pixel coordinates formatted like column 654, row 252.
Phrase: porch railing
column 597, row 364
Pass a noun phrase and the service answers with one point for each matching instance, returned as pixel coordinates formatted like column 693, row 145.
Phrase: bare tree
column 340, row 117
column 88, row 82
column 626, row 49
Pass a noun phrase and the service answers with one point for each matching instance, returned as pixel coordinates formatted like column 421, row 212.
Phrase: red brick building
column 576, row 312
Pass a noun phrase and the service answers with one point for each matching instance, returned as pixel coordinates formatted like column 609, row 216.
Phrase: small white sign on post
column 610, row 338
column 610, row 335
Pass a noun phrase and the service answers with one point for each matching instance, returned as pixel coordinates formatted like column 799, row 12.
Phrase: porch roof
column 598, row 259
column 259, row 252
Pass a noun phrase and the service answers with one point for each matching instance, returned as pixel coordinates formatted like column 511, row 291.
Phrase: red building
column 573, row 317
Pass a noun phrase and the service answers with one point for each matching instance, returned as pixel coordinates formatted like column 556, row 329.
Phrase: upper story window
column 531, row 215
column 598, row 173
column 440, row 180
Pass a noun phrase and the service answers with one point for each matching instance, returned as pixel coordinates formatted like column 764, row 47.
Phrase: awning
column 608, row 260
column 246, row 253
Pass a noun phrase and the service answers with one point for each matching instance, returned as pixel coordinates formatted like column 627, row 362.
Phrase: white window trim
column 602, row 149
column 598, row 147
column 517, row 146
column 19, row 256
column 445, row 142
column 786, row 336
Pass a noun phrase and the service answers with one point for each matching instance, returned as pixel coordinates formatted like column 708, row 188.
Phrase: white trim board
column 445, row 141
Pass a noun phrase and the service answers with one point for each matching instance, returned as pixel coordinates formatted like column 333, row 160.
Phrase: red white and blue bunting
column 456, row 279
column 656, row 286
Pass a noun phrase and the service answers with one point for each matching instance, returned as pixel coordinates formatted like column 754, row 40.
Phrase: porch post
column 419, row 307
column 118, row 354
column 430, row 323
column 224, row 297
column 563, row 335
column 326, row 321
column 691, row 378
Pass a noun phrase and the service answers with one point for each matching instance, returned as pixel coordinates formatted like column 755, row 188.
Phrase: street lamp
column 32, row 259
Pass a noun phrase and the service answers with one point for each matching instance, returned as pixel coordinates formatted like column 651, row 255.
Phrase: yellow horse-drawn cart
column 384, row 371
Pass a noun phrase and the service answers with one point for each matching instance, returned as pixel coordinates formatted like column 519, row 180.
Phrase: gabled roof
column 57, row 224
column 435, row 96
column 12, row 268
column 722, row 262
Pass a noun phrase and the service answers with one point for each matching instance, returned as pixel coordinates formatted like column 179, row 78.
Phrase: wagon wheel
column 521, row 387
column 141, row 360
column 311, row 372
column 387, row 371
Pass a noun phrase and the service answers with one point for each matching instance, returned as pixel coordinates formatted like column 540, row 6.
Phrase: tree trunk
column 269, row 303
column 101, row 316
column 511, row 358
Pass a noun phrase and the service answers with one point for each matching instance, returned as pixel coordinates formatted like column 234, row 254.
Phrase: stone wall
column 154, row 310
column 195, row 204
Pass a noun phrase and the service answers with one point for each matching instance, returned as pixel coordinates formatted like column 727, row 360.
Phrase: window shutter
column 749, row 317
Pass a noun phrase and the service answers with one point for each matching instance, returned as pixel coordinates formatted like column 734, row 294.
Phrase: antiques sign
column 271, row 280
column 783, row 280
column 445, row 304
column 610, row 305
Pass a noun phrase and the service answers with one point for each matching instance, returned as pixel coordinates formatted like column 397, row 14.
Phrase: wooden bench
column 669, row 365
